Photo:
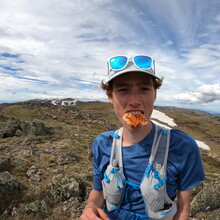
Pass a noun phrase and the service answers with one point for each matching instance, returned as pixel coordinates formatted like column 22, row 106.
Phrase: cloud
column 204, row 56
column 56, row 48
column 169, row 42
column 203, row 95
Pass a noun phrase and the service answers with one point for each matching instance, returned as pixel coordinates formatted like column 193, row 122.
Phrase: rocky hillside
column 46, row 162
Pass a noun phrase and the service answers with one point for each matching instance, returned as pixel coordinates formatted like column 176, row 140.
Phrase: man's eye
column 123, row 90
column 145, row 88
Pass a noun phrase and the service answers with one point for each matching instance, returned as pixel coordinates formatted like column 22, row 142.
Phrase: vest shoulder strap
column 116, row 152
column 160, row 147
column 159, row 150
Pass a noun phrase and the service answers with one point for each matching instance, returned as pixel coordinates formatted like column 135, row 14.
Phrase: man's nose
column 135, row 98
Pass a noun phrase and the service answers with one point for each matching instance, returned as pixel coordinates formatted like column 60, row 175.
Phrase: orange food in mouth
column 135, row 119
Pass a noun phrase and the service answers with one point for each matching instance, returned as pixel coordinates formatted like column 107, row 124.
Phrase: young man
column 132, row 89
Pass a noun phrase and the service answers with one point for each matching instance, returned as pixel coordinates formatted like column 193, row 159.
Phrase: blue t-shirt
column 184, row 167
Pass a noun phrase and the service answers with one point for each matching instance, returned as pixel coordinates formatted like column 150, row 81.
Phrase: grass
column 18, row 112
column 202, row 126
column 76, row 135
column 102, row 110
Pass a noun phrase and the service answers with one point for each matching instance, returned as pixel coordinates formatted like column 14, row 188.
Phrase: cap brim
column 128, row 71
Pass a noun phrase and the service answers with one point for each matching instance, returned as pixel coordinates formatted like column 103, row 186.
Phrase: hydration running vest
column 158, row 205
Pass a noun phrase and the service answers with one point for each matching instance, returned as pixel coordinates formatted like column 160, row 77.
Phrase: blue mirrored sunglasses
column 120, row 62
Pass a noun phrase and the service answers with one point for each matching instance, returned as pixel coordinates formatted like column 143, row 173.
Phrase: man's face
column 133, row 92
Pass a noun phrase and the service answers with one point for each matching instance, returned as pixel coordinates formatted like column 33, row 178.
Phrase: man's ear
column 110, row 99
column 155, row 96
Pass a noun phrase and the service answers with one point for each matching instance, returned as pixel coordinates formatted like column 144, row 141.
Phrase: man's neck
column 133, row 136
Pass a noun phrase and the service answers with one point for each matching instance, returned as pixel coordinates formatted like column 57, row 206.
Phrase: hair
column 108, row 87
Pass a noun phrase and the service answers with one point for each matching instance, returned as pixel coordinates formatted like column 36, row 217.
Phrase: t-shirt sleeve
column 97, row 175
column 191, row 168
column 101, row 149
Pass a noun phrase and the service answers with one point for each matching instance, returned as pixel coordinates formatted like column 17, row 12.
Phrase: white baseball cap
column 119, row 65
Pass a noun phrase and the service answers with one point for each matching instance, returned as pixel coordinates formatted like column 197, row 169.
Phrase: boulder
column 65, row 188
column 9, row 190
column 34, row 128
column 18, row 133
column 4, row 163
column 16, row 162
column 70, row 203
column 8, row 184
column 33, row 173
column 9, row 128
column 68, row 158
column 36, row 207
column 12, row 127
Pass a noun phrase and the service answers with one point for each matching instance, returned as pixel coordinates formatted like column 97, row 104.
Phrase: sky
column 58, row 48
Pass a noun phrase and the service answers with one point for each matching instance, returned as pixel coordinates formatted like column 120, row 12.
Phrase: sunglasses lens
column 118, row 63
column 143, row 62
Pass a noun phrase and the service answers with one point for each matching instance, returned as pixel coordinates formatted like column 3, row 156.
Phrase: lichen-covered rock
column 9, row 189
column 79, row 115
column 73, row 201
column 34, row 128
column 9, row 128
column 66, row 188
column 8, row 184
column 18, row 133
column 68, row 158
column 13, row 127
column 4, row 163
column 33, row 173
column 36, row 207
column 10, row 211
column 16, row 161
column 207, row 199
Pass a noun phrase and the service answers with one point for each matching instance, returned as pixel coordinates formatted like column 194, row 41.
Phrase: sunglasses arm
column 154, row 66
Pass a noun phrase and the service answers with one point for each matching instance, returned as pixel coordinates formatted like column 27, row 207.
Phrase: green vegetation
column 38, row 161
column 202, row 126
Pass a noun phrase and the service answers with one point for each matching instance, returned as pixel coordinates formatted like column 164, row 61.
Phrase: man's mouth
column 135, row 118
column 135, row 112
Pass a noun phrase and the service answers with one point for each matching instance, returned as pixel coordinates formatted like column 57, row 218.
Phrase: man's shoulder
column 181, row 135
column 178, row 135
column 102, row 143
column 181, row 139
column 105, row 136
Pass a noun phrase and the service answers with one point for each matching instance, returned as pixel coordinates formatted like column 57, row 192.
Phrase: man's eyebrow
column 121, row 84
column 145, row 83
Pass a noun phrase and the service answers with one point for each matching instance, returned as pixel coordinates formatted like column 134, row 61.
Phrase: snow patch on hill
column 163, row 117
column 203, row 145
column 160, row 116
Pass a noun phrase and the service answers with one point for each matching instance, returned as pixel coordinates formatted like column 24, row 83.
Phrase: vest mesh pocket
column 113, row 187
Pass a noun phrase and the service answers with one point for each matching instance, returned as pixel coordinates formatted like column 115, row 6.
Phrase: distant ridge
column 190, row 109
column 62, row 102
column 96, row 101
column 38, row 100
